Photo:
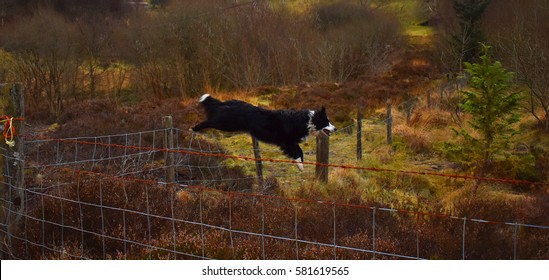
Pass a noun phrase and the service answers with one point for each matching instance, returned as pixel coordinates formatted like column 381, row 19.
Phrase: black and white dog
column 284, row 128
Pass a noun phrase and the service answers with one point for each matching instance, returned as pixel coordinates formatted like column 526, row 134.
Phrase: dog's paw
column 299, row 164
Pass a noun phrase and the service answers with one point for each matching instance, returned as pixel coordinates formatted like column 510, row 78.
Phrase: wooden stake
column 322, row 156
column 169, row 167
column 258, row 163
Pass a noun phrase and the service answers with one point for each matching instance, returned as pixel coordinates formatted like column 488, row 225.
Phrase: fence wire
column 105, row 197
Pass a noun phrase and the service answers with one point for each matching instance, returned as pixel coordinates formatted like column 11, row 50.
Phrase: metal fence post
column 295, row 229
column 389, row 123
column 463, row 239
column 515, row 242
column 374, row 232
column 231, row 224
column 335, row 239
column 359, row 135
column 201, row 219
column 263, row 227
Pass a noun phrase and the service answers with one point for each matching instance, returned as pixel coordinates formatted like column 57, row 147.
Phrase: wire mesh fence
column 99, row 216
column 106, row 197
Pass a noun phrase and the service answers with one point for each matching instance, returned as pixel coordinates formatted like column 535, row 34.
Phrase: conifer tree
column 493, row 106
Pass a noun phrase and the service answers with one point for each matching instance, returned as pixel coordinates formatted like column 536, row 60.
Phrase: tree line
column 72, row 49
column 186, row 47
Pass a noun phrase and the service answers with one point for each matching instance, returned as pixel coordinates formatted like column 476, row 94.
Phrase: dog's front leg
column 299, row 164
column 295, row 153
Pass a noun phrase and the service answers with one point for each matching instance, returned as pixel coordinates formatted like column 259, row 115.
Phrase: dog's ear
column 322, row 109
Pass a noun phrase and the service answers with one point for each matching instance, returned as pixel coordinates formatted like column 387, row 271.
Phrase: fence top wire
column 79, row 174
column 249, row 158
column 37, row 139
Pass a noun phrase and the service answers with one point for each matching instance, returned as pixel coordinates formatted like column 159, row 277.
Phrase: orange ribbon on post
column 9, row 130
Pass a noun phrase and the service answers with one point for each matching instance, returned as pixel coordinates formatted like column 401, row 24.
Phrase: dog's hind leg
column 200, row 126
column 294, row 152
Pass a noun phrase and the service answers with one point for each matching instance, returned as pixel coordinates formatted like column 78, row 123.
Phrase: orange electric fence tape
column 374, row 169
column 9, row 129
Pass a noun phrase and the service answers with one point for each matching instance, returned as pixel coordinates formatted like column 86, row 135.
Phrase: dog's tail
column 208, row 102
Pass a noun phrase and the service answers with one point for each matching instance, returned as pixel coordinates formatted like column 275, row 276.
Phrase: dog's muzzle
column 329, row 129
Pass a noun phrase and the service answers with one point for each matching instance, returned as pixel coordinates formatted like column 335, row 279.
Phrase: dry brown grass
column 416, row 139
column 429, row 119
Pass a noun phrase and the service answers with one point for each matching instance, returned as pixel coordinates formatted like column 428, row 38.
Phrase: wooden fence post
column 169, row 168
column 12, row 186
column 18, row 97
column 429, row 99
column 409, row 106
column 409, row 110
column 389, row 123
column 322, row 156
column 359, row 134
column 258, row 163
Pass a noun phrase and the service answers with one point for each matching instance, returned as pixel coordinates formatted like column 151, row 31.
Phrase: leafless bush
column 354, row 40
column 186, row 47
column 520, row 37
column 257, row 45
column 45, row 58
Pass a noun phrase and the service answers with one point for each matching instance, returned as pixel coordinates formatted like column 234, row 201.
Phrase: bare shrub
column 518, row 32
column 185, row 47
column 355, row 40
column 45, row 59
